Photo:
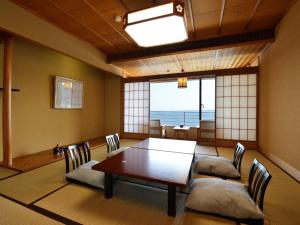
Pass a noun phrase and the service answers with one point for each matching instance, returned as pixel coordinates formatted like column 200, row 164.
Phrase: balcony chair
column 157, row 130
column 229, row 199
column 219, row 166
column 82, row 173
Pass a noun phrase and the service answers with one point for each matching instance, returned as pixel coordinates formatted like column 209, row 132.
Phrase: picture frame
column 68, row 93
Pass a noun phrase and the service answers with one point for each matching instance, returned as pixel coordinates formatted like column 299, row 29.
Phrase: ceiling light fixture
column 158, row 25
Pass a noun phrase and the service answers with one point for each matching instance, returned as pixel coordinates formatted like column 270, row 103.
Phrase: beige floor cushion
column 215, row 166
column 86, row 174
column 222, row 197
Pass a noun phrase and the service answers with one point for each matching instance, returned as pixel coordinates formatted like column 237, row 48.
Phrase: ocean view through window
column 173, row 106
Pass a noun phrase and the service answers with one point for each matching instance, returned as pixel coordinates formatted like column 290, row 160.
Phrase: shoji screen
column 236, row 107
column 136, row 107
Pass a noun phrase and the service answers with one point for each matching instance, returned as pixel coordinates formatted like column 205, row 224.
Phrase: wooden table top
column 158, row 166
column 169, row 145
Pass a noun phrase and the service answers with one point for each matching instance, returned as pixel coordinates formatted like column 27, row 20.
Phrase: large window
column 173, row 105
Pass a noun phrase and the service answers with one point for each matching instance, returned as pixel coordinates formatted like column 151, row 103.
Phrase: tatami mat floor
column 13, row 213
column 45, row 188
column 4, row 172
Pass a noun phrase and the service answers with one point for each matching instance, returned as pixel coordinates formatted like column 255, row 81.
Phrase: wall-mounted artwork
column 68, row 93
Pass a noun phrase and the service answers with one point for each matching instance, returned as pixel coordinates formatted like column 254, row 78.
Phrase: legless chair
column 156, row 129
column 219, row 166
column 232, row 200
column 81, row 166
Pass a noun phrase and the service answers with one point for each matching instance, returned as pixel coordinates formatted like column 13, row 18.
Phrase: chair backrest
column 258, row 180
column 111, row 143
column 155, row 128
column 79, row 154
column 238, row 156
column 117, row 139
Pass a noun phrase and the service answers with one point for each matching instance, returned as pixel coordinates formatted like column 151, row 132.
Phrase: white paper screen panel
column 136, row 107
column 236, row 107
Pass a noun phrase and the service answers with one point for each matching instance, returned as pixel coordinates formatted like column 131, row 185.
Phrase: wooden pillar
column 6, row 102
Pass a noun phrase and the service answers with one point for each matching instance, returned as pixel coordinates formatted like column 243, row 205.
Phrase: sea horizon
column 181, row 117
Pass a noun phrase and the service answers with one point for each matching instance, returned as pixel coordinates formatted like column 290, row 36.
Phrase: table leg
column 171, row 200
column 108, row 185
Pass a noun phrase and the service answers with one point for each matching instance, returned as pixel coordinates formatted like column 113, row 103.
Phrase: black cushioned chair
column 79, row 156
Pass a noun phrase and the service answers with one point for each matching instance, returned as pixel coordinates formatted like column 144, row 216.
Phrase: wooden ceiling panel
column 91, row 17
column 165, row 64
column 135, row 68
column 66, row 22
column 84, row 33
column 105, row 31
column 68, row 5
column 105, row 48
column 205, row 6
column 44, row 8
column 269, row 13
column 235, row 3
column 236, row 18
column 86, row 15
column 135, row 5
column 234, row 57
column 107, row 5
column 206, row 25
column 109, row 15
column 199, row 61
column 238, row 56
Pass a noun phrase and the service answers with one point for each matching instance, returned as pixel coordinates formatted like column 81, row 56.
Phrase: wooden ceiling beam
column 222, row 72
column 262, row 36
column 258, row 2
column 4, row 36
column 190, row 7
column 221, row 16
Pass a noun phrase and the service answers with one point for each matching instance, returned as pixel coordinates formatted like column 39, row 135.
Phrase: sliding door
column 136, row 108
column 236, row 110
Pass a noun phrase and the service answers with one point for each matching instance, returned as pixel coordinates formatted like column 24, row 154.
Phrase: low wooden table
column 170, row 168
column 184, row 130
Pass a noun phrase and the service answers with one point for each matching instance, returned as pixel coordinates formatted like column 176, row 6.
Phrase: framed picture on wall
column 68, row 93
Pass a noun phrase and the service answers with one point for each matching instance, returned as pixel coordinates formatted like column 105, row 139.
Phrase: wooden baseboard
column 232, row 143
column 290, row 170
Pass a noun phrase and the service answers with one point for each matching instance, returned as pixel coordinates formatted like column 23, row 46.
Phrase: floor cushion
column 222, row 197
column 215, row 166
column 86, row 174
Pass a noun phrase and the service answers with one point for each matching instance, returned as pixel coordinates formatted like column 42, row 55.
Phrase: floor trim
column 283, row 166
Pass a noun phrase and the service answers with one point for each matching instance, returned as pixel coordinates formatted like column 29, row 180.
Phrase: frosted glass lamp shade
column 159, row 25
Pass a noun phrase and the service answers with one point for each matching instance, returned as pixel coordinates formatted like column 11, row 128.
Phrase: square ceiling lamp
column 158, row 25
